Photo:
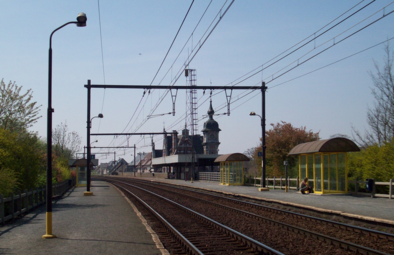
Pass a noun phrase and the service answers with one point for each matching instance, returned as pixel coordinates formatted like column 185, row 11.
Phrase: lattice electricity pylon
column 192, row 100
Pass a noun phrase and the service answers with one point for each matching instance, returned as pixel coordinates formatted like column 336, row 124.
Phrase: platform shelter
column 232, row 168
column 81, row 170
column 324, row 163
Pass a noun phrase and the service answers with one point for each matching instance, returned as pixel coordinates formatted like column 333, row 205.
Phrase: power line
column 164, row 94
column 102, row 57
column 349, row 56
column 333, row 38
column 171, row 65
column 172, row 42
column 263, row 68
column 305, row 60
column 335, row 43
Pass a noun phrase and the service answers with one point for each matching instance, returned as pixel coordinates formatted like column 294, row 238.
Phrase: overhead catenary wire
column 222, row 106
column 324, row 50
column 168, row 51
column 313, row 34
column 332, row 39
column 167, row 72
column 164, row 94
column 288, row 54
column 336, row 43
column 189, row 61
column 102, row 60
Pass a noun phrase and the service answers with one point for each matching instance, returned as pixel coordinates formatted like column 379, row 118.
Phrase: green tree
column 373, row 162
column 17, row 110
column 21, row 160
column 279, row 141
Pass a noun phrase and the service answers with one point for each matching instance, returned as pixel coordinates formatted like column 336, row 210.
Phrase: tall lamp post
column 263, row 89
column 88, row 158
column 81, row 22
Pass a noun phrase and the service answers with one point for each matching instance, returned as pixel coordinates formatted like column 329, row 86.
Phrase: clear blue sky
column 137, row 34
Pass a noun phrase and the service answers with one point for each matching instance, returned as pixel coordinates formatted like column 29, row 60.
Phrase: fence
column 209, row 176
column 279, row 183
column 373, row 192
column 20, row 203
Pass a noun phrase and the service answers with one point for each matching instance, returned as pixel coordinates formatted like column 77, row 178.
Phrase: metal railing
column 20, row 203
column 372, row 193
column 209, row 176
column 279, row 183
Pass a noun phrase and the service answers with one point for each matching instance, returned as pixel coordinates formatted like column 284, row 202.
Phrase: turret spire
column 210, row 111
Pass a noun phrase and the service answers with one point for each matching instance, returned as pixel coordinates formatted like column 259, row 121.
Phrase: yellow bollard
column 48, row 228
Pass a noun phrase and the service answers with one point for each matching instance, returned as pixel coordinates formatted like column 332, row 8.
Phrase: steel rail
column 186, row 244
column 241, row 237
column 340, row 243
column 381, row 234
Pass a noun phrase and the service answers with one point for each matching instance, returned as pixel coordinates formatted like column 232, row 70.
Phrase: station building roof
column 338, row 144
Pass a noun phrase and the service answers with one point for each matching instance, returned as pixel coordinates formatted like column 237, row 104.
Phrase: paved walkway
column 101, row 224
column 377, row 209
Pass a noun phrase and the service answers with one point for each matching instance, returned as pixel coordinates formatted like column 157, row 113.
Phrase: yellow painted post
column 314, row 174
column 299, row 166
column 346, row 190
column 336, row 155
column 322, row 172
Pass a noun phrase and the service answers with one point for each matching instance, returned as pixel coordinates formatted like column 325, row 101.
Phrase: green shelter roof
column 232, row 157
column 338, row 144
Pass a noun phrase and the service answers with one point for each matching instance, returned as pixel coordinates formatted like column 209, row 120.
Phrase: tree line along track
column 323, row 231
column 193, row 232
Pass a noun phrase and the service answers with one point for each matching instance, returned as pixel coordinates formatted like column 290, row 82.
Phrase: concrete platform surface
column 104, row 223
column 375, row 209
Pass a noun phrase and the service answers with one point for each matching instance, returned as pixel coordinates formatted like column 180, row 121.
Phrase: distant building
column 181, row 151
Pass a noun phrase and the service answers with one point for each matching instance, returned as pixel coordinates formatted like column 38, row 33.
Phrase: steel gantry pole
column 88, row 122
column 263, row 146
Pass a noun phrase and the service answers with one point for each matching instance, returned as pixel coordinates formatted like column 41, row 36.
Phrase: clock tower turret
column 211, row 133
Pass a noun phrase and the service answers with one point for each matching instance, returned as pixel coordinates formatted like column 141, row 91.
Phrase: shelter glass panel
column 341, row 172
column 303, row 166
column 82, row 175
column 236, row 164
column 240, row 169
column 231, row 172
column 222, row 172
column 310, row 171
column 318, row 172
column 333, row 172
column 326, row 171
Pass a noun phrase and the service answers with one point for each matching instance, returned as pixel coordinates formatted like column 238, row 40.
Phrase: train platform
column 365, row 208
column 105, row 223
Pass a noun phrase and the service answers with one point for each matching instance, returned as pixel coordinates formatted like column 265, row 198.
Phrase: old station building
column 181, row 152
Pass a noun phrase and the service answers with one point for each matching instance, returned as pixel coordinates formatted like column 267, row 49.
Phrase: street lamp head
column 101, row 115
column 252, row 114
column 81, row 18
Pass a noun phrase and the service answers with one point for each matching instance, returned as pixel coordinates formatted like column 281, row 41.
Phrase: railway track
column 288, row 222
column 194, row 232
